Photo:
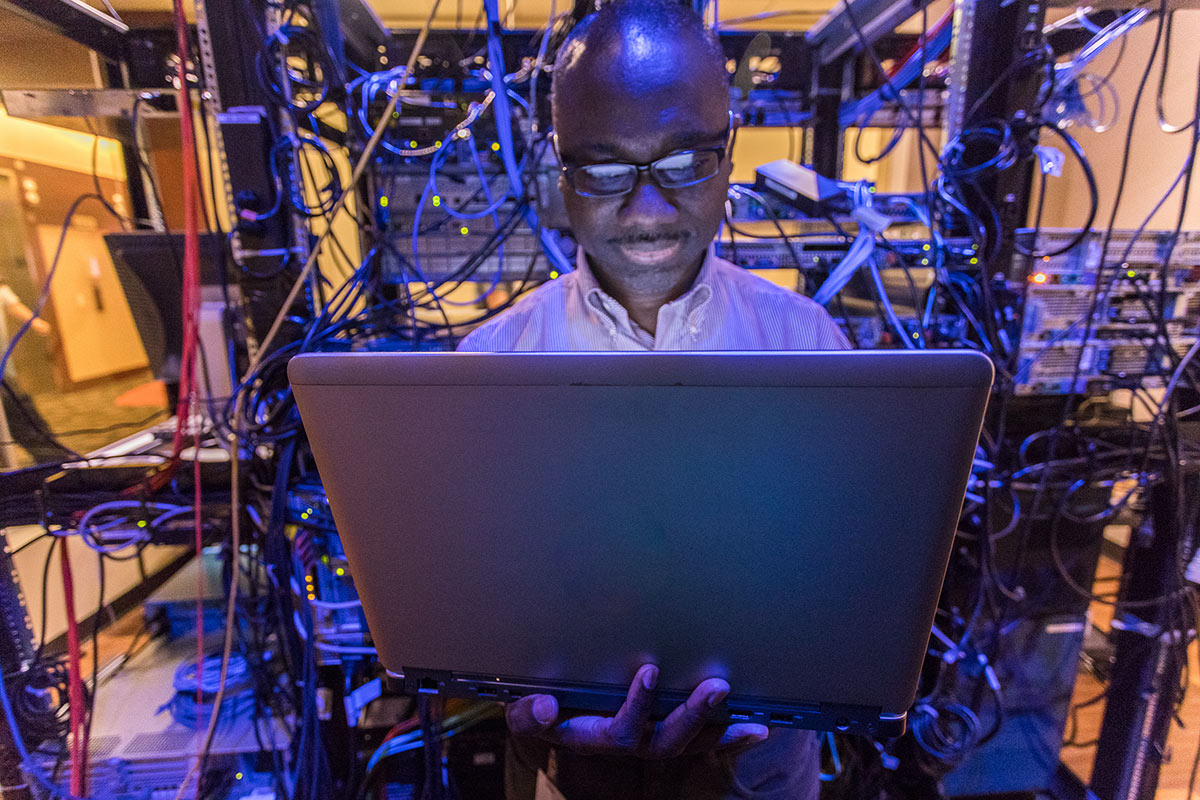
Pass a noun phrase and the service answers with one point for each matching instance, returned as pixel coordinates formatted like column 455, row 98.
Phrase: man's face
column 635, row 104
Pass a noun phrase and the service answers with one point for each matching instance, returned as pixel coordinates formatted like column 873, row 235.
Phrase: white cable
column 343, row 649
column 870, row 223
column 886, row 303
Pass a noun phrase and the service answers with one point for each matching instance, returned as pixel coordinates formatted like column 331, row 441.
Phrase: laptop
column 546, row 523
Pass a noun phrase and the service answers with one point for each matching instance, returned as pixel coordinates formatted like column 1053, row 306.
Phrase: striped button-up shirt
column 727, row 308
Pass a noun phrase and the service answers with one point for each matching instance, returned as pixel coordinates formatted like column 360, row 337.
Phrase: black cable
column 45, row 583
column 1166, row 126
column 35, row 423
column 1125, row 153
column 902, row 104
column 1093, row 207
column 108, row 428
column 278, row 54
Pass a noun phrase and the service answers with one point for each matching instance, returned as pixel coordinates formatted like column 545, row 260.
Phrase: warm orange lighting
column 1038, row 277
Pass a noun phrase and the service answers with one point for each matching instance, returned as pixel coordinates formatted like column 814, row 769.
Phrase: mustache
column 647, row 237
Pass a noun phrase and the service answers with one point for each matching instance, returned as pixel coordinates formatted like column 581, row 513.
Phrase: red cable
column 201, row 583
column 74, row 681
column 191, row 307
column 933, row 31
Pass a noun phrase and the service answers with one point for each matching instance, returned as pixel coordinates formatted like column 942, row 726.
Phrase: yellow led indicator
column 1131, row 274
column 412, row 143
column 383, row 201
column 304, row 515
column 974, row 261
column 495, row 147
column 924, row 247
column 438, row 143
column 464, row 230
column 142, row 523
column 237, row 776
column 340, row 571
column 553, row 273
column 925, row 261
column 916, row 335
column 312, row 597
column 395, row 115
column 1039, row 277
column 437, row 201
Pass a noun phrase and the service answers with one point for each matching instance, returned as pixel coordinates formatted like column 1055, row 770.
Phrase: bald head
column 646, row 45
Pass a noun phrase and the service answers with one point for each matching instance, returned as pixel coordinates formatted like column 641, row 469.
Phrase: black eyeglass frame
column 721, row 150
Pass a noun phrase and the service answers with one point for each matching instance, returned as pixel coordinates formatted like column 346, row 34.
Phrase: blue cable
column 45, row 292
column 503, row 114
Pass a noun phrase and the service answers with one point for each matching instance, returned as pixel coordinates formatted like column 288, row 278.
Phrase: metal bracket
column 39, row 103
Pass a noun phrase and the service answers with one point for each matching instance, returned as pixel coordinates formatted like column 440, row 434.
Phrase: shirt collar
column 690, row 302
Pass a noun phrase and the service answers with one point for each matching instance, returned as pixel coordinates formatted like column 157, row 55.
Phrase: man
column 640, row 102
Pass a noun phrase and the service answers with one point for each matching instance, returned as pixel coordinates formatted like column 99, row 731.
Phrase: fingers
column 741, row 735
column 628, row 727
column 685, row 730
column 683, row 724
column 533, row 715
column 731, row 737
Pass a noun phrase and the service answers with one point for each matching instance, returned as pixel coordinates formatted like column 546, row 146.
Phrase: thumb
column 532, row 715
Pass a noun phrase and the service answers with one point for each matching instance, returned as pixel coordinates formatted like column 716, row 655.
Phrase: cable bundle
column 192, row 704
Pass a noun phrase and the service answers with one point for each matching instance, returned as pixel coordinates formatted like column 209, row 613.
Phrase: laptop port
column 739, row 717
column 782, row 719
column 428, row 686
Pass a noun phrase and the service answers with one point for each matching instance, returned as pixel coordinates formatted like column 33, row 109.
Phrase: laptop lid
column 549, row 522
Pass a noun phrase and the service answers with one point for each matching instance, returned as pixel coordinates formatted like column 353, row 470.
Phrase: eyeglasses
column 673, row 171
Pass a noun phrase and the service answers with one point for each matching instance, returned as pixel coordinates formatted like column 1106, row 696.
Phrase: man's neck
column 642, row 302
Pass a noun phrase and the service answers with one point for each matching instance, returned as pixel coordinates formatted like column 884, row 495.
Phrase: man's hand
column 630, row 732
